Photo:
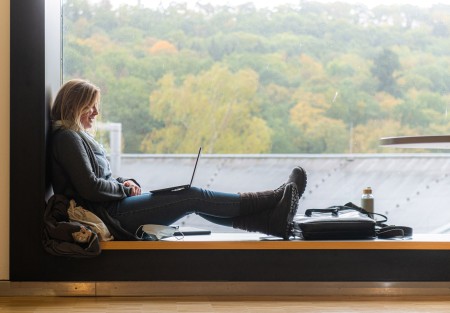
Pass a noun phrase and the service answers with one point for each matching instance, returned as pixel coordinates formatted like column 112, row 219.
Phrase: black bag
column 346, row 222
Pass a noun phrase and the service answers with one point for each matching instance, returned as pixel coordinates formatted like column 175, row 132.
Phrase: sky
column 372, row 3
column 270, row 3
column 366, row 2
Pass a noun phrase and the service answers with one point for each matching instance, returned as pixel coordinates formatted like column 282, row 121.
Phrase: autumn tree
column 319, row 133
column 366, row 138
column 216, row 109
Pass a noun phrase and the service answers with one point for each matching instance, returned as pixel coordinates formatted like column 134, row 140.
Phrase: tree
column 271, row 68
column 276, row 104
column 420, row 109
column 366, row 138
column 216, row 109
column 162, row 47
column 125, row 101
column 319, row 134
column 385, row 65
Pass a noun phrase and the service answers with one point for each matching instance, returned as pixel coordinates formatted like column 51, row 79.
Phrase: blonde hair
column 74, row 99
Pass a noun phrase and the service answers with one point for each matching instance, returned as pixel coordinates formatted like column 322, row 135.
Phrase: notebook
column 181, row 187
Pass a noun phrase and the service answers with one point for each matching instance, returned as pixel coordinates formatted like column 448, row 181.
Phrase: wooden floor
column 224, row 304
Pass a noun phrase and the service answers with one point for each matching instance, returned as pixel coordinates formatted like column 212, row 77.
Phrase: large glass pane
column 288, row 78
column 321, row 79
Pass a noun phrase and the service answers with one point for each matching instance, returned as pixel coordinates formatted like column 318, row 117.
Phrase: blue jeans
column 166, row 208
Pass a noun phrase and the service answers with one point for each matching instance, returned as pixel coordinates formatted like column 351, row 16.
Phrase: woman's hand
column 135, row 189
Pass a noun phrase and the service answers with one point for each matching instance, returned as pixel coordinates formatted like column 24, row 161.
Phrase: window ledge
column 250, row 241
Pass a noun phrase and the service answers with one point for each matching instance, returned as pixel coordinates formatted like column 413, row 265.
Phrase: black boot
column 299, row 178
column 276, row 221
column 254, row 202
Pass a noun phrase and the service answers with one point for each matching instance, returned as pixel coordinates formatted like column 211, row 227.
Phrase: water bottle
column 367, row 200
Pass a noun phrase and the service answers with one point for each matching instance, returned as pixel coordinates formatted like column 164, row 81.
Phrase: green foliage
column 309, row 78
column 385, row 65
column 215, row 109
column 124, row 98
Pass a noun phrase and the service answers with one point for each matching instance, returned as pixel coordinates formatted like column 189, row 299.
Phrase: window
column 295, row 77
column 251, row 74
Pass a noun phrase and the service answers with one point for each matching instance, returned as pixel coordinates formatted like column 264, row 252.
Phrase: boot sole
column 285, row 230
column 301, row 188
column 293, row 211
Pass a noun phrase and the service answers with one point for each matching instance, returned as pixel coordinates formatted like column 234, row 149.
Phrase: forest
column 307, row 78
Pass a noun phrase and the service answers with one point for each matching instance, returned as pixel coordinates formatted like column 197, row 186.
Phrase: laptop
column 181, row 187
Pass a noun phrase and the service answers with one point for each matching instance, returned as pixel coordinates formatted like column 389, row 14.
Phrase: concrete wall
column 4, row 138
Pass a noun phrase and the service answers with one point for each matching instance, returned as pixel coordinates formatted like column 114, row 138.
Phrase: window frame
column 32, row 79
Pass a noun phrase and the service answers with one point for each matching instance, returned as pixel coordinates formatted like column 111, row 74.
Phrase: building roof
column 411, row 189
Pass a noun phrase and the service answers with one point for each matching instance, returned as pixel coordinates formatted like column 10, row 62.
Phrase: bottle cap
column 367, row 190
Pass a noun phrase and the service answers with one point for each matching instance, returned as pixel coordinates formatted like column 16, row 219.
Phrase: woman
column 80, row 171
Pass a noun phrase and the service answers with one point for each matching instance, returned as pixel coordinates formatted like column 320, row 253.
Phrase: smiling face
column 76, row 105
column 87, row 119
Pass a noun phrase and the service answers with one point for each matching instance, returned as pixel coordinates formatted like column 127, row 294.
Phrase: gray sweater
column 80, row 171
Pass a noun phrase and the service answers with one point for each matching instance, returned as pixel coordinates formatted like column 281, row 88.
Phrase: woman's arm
column 130, row 182
column 135, row 188
column 72, row 155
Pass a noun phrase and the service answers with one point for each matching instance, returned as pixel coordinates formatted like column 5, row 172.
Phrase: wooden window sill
column 252, row 241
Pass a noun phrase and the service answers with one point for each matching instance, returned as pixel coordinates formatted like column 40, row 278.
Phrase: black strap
column 334, row 210
column 370, row 214
column 393, row 231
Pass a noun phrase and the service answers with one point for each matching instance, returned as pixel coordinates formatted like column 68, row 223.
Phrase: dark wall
column 252, row 265
column 33, row 77
column 27, row 150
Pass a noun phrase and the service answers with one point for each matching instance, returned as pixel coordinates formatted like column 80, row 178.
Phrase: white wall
column 4, row 137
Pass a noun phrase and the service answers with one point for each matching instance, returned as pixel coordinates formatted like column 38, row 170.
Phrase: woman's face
column 88, row 118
